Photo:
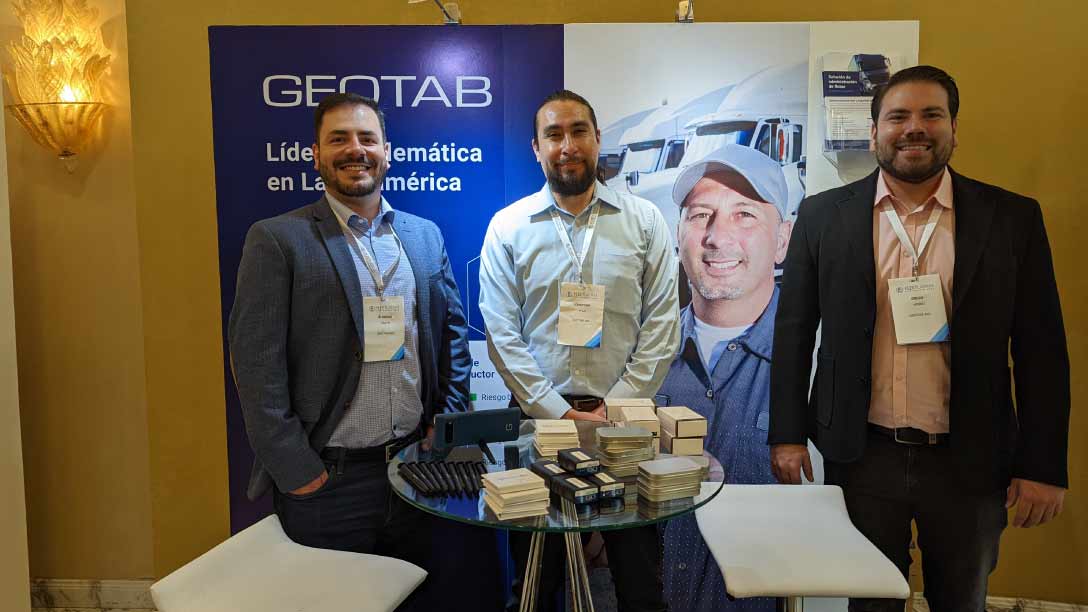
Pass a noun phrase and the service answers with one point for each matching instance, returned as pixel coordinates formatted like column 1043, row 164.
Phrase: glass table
column 561, row 519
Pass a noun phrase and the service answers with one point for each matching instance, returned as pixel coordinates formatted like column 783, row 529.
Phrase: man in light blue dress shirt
column 577, row 233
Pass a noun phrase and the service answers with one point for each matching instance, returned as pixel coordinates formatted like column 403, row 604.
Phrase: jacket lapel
column 856, row 212
column 974, row 219
column 340, row 254
column 415, row 253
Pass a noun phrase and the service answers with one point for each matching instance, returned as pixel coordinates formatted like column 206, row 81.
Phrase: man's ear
column 785, row 230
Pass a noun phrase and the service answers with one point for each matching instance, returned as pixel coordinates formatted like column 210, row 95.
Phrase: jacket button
column 710, row 393
column 358, row 355
column 868, row 332
column 864, row 382
column 732, row 346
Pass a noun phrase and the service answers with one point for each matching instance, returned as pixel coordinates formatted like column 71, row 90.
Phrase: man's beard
column 571, row 184
column 886, row 154
column 353, row 189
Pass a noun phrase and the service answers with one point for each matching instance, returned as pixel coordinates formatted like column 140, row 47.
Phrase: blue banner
column 458, row 101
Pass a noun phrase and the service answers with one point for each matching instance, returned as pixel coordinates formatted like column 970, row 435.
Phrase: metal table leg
column 529, row 585
column 790, row 604
column 576, row 567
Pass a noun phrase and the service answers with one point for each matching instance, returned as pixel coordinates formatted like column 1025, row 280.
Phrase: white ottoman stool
column 261, row 570
column 793, row 541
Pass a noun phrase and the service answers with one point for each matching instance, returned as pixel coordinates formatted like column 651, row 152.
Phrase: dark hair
column 337, row 100
column 564, row 94
column 915, row 74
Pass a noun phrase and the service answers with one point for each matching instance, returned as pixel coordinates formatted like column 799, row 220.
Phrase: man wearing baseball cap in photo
column 733, row 230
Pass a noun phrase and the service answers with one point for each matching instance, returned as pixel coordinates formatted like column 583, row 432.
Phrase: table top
column 470, row 508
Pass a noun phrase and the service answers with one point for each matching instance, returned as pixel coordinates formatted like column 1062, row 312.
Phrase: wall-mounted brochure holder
column 848, row 80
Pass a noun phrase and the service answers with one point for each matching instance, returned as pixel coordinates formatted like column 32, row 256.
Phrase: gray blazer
column 296, row 333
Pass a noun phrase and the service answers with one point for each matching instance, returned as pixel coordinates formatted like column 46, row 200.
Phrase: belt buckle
column 390, row 450
column 895, row 435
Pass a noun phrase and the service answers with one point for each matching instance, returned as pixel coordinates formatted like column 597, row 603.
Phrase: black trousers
column 634, row 557
column 357, row 511
column 958, row 531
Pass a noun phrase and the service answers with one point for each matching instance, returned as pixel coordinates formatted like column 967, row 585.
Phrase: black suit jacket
column 1003, row 294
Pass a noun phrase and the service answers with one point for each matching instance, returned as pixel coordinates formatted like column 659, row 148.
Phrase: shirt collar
column 344, row 214
column 943, row 195
column 602, row 193
column 759, row 339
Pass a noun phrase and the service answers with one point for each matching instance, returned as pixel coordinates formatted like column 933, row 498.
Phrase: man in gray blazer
column 346, row 336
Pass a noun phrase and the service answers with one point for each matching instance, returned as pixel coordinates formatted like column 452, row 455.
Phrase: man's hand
column 597, row 414
column 1037, row 502
column 313, row 485
column 787, row 461
column 428, row 440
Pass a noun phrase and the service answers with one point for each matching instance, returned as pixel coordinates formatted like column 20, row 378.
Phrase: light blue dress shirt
column 521, row 265
column 386, row 404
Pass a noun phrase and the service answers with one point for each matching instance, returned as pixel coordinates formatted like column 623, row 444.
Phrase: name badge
column 383, row 328
column 918, row 309
column 581, row 314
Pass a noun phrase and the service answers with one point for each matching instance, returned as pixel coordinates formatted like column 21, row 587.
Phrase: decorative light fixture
column 56, row 73
column 450, row 11
column 685, row 11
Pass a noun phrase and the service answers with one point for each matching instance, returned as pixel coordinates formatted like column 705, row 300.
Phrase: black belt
column 384, row 452
column 910, row 435
column 582, row 403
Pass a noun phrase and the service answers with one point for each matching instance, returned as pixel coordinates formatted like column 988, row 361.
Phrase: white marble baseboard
column 63, row 595
column 93, row 610
column 1010, row 604
column 58, row 594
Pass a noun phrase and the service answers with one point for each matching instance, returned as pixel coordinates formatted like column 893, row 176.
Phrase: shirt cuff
column 551, row 406
column 623, row 390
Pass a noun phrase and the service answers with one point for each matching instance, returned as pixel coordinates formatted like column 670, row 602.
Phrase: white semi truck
column 766, row 111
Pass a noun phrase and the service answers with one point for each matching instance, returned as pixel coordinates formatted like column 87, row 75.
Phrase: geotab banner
column 459, row 105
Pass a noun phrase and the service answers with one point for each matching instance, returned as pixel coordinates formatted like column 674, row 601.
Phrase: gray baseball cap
column 763, row 174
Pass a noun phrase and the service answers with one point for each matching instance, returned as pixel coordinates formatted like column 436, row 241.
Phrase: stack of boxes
column 641, row 416
column 515, row 494
column 622, row 448
column 614, row 405
column 682, row 430
column 576, row 477
column 553, row 435
column 665, row 483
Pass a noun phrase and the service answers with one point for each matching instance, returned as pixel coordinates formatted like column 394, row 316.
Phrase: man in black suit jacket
column 977, row 456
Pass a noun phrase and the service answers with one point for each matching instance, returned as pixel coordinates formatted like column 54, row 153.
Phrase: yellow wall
column 138, row 361
column 79, row 321
column 14, row 564
column 973, row 39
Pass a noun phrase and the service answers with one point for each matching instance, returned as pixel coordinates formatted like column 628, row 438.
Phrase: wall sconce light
column 451, row 13
column 56, row 73
column 685, row 11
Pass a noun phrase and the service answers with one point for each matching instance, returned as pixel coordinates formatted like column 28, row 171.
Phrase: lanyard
column 380, row 280
column 901, row 232
column 577, row 258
